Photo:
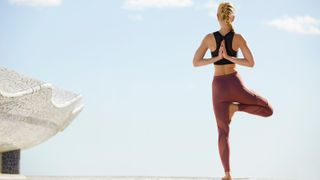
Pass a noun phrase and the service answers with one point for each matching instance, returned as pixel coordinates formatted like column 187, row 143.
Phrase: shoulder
column 239, row 37
column 208, row 37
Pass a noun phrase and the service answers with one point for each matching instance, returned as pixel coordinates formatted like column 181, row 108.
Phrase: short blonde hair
column 226, row 11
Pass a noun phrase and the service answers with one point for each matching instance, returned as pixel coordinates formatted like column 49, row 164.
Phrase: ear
column 232, row 18
column 217, row 16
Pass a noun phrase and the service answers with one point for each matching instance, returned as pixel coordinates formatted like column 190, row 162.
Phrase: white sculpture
column 31, row 111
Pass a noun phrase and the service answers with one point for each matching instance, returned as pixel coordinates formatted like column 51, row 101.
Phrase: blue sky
column 148, row 111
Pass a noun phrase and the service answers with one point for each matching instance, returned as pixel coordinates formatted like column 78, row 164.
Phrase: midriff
column 224, row 69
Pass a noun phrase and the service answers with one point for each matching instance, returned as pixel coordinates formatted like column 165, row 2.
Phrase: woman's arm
column 198, row 59
column 248, row 59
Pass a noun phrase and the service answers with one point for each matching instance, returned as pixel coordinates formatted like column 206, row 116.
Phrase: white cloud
column 143, row 4
column 43, row 3
column 297, row 24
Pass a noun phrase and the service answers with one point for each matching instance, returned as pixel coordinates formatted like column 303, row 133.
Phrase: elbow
column 195, row 63
column 251, row 64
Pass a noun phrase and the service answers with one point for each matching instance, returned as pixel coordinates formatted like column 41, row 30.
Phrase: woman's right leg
column 252, row 102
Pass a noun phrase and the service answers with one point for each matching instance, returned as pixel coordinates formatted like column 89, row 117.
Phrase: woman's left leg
column 221, row 111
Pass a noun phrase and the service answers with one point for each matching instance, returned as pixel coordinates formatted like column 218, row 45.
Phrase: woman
column 229, row 93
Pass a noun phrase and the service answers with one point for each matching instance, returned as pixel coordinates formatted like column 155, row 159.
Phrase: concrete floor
column 10, row 177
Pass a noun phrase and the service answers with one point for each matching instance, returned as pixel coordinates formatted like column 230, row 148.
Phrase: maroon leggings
column 225, row 90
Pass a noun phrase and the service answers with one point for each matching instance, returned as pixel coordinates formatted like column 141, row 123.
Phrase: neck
column 224, row 29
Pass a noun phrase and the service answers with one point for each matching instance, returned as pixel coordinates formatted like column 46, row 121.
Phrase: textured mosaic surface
column 11, row 162
column 31, row 110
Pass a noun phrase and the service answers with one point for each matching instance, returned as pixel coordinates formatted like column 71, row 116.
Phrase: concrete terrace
column 4, row 176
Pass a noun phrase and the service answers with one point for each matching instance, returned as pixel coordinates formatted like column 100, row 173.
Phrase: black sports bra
column 228, row 42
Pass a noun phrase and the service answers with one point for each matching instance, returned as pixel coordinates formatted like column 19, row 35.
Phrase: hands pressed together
column 223, row 52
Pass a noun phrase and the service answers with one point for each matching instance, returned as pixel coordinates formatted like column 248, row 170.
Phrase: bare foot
column 227, row 177
column 232, row 109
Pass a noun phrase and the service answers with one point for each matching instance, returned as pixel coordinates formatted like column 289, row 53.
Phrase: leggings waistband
column 225, row 75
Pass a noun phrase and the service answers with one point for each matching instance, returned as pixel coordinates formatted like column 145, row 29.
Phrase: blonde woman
column 229, row 93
